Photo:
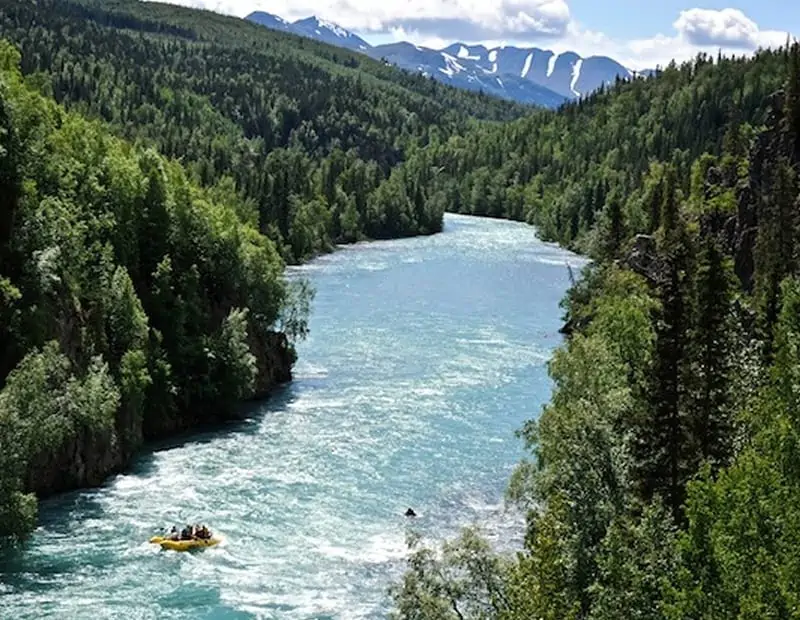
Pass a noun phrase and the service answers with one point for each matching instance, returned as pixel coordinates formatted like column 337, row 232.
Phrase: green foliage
column 636, row 563
column 237, row 365
column 775, row 255
column 710, row 362
column 43, row 406
column 738, row 555
column 126, row 321
column 581, row 457
column 131, row 304
column 622, row 314
column 664, row 483
column 296, row 136
column 308, row 233
column 134, row 382
column 464, row 581
column 41, row 394
column 543, row 581
column 293, row 320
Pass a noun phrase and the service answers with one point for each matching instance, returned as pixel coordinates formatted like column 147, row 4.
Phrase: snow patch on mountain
column 337, row 30
column 270, row 21
column 576, row 75
column 452, row 65
column 527, row 67
column 551, row 64
column 464, row 53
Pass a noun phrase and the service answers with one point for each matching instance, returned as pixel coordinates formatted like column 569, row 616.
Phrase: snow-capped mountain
column 313, row 28
column 330, row 33
column 566, row 74
column 527, row 75
column 466, row 73
column 269, row 20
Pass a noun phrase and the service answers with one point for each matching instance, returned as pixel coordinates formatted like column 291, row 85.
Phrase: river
column 425, row 356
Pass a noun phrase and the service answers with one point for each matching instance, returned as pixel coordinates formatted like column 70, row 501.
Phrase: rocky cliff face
column 85, row 461
column 275, row 358
column 90, row 457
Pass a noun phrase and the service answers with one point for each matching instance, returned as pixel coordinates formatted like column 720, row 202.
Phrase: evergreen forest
column 160, row 166
column 662, row 480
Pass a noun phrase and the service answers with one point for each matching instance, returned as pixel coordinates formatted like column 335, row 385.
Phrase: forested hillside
column 664, row 478
column 565, row 170
column 133, row 303
column 305, row 133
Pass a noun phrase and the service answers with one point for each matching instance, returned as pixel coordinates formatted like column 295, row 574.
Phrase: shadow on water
column 246, row 421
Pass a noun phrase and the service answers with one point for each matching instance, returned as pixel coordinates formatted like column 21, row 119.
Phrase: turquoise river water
column 425, row 356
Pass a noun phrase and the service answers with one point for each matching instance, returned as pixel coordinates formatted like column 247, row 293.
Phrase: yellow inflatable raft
column 184, row 545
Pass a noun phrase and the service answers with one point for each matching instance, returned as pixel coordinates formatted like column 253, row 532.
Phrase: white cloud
column 548, row 17
column 725, row 28
column 695, row 30
column 449, row 19
column 413, row 36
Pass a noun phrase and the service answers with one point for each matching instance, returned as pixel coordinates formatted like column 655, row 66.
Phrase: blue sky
column 638, row 33
column 630, row 19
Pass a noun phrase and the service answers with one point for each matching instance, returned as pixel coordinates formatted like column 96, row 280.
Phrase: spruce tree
column 792, row 103
column 775, row 248
column 614, row 229
column 661, row 437
column 9, row 181
column 656, row 200
column 709, row 365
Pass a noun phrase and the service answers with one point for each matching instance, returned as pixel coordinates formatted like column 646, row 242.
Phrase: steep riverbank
column 88, row 458
column 425, row 356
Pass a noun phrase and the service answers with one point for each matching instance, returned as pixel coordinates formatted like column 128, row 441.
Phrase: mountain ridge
column 527, row 75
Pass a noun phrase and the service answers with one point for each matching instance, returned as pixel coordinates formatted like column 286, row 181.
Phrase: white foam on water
column 376, row 266
column 306, row 370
